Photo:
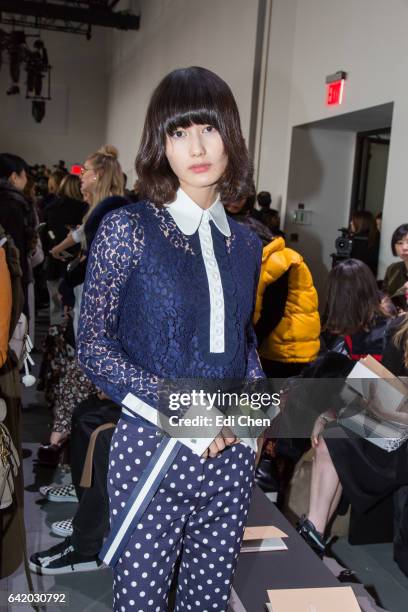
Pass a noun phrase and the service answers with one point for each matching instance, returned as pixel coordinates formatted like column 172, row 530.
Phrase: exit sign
column 335, row 88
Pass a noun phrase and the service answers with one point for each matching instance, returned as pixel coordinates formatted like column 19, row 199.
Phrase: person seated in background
column 355, row 316
column 287, row 326
column 365, row 239
column 396, row 275
column 267, row 215
column 287, row 322
column 243, row 212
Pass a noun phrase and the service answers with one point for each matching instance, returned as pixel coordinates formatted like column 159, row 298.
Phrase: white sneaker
column 62, row 528
column 60, row 493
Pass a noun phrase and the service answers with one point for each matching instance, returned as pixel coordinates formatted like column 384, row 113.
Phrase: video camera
column 343, row 243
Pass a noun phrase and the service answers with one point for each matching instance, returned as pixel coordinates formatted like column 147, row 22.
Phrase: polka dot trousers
column 197, row 517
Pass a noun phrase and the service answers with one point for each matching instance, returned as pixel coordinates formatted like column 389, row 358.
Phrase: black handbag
column 76, row 271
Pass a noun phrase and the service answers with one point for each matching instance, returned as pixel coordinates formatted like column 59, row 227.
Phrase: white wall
column 275, row 138
column 367, row 39
column 75, row 121
column 219, row 35
column 321, row 172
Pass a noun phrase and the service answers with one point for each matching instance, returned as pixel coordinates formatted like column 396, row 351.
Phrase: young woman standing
column 169, row 294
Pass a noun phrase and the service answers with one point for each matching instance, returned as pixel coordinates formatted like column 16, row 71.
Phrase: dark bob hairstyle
column 398, row 235
column 185, row 97
column 10, row 163
column 353, row 300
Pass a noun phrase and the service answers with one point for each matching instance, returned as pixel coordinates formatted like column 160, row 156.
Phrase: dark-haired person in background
column 267, row 215
column 65, row 213
column 243, row 212
column 16, row 214
column 355, row 316
column 396, row 275
column 366, row 239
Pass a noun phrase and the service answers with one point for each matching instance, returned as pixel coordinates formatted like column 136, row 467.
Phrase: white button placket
column 217, row 310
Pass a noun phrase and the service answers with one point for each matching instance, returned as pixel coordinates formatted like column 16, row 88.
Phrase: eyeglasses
column 83, row 170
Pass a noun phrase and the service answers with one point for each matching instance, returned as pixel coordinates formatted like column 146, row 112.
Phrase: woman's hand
column 225, row 438
column 58, row 437
column 319, row 426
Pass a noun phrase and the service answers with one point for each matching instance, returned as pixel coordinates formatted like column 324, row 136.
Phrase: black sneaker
column 62, row 559
column 310, row 534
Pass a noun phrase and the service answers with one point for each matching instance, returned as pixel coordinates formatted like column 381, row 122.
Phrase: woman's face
column 88, row 177
column 235, row 207
column 401, row 248
column 18, row 181
column 197, row 156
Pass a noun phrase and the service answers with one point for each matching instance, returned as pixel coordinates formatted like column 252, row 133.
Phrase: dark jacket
column 17, row 219
column 60, row 216
column 103, row 208
column 365, row 252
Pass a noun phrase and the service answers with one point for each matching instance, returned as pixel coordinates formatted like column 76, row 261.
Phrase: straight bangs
column 192, row 116
column 186, row 97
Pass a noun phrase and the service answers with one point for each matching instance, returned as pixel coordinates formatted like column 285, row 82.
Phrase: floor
column 91, row 591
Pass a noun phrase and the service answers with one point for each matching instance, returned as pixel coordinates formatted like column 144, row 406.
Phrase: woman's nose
column 196, row 145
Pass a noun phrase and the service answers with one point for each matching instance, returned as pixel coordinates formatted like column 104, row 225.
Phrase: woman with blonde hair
column 70, row 187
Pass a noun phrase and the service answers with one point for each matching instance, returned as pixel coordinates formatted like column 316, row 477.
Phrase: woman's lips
column 200, row 168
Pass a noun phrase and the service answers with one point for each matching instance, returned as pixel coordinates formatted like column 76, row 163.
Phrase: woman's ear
column 13, row 178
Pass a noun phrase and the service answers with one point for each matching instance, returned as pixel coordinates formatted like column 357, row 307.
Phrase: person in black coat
column 65, row 213
column 16, row 214
column 366, row 239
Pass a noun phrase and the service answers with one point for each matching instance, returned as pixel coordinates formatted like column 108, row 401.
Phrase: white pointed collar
column 187, row 214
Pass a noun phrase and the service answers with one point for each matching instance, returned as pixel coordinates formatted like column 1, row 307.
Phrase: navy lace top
column 147, row 303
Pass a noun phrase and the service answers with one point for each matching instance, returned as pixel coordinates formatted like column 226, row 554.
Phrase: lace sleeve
column 115, row 252
column 254, row 369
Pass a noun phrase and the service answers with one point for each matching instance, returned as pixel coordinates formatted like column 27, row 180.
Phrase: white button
column 219, row 318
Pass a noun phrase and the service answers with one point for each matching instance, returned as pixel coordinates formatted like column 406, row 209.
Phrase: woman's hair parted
column 109, row 174
column 185, row 97
column 353, row 300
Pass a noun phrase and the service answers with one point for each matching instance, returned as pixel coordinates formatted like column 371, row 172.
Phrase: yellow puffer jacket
column 296, row 337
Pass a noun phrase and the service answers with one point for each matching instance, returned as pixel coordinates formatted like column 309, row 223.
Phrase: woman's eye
column 178, row 134
column 209, row 128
